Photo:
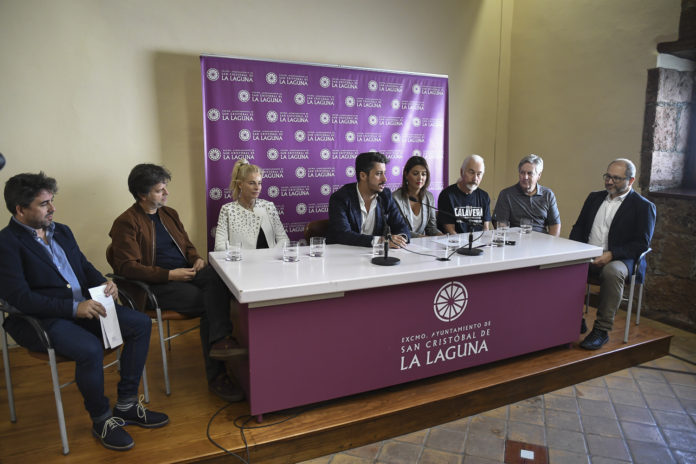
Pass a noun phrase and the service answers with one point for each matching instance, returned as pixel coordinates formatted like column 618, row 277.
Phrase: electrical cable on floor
column 244, row 426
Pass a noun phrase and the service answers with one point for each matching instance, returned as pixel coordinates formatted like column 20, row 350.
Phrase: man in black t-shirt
column 465, row 200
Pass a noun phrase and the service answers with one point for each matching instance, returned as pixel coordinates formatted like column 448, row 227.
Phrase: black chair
column 53, row 359
column 152, row 308
column 317, row 228
column 636, row 277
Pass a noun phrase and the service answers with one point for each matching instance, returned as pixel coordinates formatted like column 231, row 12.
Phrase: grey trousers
column 612, row 277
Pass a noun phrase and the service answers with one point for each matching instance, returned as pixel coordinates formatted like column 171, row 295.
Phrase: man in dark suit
column 44, row 274
column 357, row 211
column 621, row 221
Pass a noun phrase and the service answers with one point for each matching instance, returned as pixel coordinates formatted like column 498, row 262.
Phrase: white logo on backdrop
column 396, row 137
column 245, row 135
column 272, row 116
column 350, row 171
column 272, row 154
column 450, row 301
column 214, row 154
column 416, row 88
column 326, row 189
column 325, row 118
column 417, row 152
column 372, row 85
column 372, row 119
column 325, row 154
column 273, row 191
column 271, row 78
column 395, row 170
column 325, row 82
column 212, row 74
column 213, row 114
column 243, row 96
column 350, row 136
column 416, row 122
column 299, row 98
column 300, row 172
column 215, row 193
column 301, row 208
column 350, row 101
column 300, row 135
column 396, row 104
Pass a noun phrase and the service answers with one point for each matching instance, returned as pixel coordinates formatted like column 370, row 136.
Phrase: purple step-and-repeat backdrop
column 304, row 124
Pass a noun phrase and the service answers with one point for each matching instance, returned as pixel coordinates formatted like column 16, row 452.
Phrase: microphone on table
column 385, row 260
column 470, row 223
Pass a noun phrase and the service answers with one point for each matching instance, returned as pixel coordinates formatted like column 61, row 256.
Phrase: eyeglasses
column 614, row 179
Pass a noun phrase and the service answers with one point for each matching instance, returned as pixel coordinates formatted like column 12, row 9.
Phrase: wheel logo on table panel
column 450, row 301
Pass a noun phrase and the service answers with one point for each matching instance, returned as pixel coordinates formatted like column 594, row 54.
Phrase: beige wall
column 90, row 88
column 577, row 92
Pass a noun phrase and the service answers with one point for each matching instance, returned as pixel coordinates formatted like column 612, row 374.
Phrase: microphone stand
column 470, row 251
column 385, row 260
column 467, row 251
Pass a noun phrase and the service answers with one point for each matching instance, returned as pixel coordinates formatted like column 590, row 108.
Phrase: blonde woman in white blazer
column 250, row 220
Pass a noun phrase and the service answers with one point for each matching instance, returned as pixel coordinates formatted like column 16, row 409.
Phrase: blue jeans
column 81, row 340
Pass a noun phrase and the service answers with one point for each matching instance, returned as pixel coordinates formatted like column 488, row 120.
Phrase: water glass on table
column 454, row 241
column 317, row 246
column 377, row 246
column 233, row 251
column 526, row 225
column 291, row 251
column 499, row 234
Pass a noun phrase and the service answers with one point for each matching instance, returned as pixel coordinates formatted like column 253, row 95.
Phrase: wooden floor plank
column 306, row 432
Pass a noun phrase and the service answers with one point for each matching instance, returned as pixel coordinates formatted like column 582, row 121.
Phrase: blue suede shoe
column 112, row 434
column 138, row 414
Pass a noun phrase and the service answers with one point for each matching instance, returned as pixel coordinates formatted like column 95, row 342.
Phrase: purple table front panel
column 302, row 353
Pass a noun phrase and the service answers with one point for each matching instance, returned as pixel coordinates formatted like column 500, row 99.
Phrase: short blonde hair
column 241, row 170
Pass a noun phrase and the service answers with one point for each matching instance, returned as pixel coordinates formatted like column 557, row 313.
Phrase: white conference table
column 323, row 328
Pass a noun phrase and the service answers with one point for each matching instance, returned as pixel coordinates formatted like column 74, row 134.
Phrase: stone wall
column 670, row 286
column 665, row 132
column 670, row 289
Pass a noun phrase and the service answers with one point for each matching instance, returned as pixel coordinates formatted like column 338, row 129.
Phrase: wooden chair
column 317, row 228
column 636, row 277
column 152, row 308
column 53, row 359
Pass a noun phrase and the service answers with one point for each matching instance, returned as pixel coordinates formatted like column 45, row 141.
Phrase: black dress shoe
column 583, row 326
column 595, row 340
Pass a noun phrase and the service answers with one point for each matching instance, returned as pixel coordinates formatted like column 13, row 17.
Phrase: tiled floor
column 645, row 414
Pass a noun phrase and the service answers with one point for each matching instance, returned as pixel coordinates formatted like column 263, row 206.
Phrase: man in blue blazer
column 357, row 211
column 44, row 274
column 621, row 221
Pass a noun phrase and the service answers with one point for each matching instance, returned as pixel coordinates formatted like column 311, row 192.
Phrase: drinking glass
column 377, row 246
column 453, row 242
column 291, row 251
column 317, row 246
column 233, row 251
column 526, row 225
column 499, row 234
